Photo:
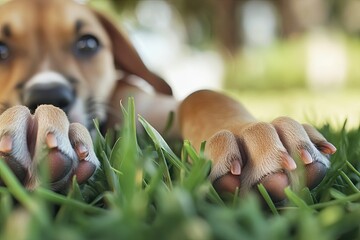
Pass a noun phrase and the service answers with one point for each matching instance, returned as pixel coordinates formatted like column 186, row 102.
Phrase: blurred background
column 279, row 57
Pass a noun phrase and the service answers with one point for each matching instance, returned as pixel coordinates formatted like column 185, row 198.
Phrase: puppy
column 63, row 64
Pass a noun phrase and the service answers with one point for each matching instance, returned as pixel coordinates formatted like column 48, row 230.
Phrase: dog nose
column 56, row 94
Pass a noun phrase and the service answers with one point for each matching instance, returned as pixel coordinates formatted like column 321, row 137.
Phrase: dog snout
column 56, row 94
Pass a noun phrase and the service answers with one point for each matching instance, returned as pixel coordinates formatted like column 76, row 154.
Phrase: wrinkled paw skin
column 268, row 153
column 46, row 138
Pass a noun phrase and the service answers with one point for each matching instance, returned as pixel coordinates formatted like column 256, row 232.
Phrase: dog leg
column 155, row 108
column 246, row 152
column 28, row 141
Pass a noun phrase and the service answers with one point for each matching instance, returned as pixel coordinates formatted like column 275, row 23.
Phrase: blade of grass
column 236, row 198
column 67, row 212
column 184, row 159
column 160, row 143
column 306, row 196
column 336, row 193
column 63, row 200
column 197, row 175
column 110, row 175
column 127, row 155
column 155, row 181
column 199, row 170
column 352, row 168
column 295, row 199
column 166, row 172
column 6, row 206
column 349, row 182
column 100, row 141
column 191, row 151
column 17, row 190
column 267, row 199
column 169, row 122
column 214, row 197
column 338, row 162
column 350, row 198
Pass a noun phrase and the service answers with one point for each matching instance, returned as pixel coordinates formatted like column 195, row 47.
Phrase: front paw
column 46, row 138
column 269, row 154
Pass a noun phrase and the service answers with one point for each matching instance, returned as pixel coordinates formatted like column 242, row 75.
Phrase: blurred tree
column 289, row 24
column 218, row 19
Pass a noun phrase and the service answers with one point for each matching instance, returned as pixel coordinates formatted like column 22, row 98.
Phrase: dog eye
column 4, row 51
column 86, row 46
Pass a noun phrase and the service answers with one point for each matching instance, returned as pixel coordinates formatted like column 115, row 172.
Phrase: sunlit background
column 279, row 57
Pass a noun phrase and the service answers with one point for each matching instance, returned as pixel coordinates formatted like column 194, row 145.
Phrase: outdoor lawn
column 151, row 188
column 146, row 191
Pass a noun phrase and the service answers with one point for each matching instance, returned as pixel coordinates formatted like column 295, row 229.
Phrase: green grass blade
column 352, row 168
column 127, row 155
column 349, row 182
column 267, row 199
column 296, row 200
column 63, row 200
column 19, row 192
column 160, row 143
column 345, row 200
column 169, row 122
column 111, row 177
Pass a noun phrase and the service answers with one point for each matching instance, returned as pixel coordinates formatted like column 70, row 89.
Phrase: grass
column 146, row 190
column 285, row 63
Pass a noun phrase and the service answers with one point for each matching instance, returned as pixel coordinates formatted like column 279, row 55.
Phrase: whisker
column 95, row 110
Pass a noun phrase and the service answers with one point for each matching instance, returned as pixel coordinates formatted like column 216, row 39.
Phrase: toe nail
column 327, row 148
column 305, row 156
column 6, row 144
column 81, row 151
column 51, row 141
column 288, row 162
column 235, row 167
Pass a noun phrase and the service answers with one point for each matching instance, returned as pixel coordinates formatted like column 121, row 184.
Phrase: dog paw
column 270, row 154
column 29, row 142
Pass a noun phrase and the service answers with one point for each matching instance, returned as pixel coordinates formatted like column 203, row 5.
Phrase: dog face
column 62, row 53
column 56, row 53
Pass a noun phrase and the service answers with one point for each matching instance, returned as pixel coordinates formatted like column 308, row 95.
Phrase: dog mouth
column 59, row 90
column 83, row 112
column 65, row 92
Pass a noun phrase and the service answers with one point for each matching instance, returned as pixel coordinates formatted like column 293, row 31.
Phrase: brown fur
column 40, row 35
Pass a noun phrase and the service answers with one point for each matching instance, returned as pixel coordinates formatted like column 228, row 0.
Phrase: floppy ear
column 127, row 59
